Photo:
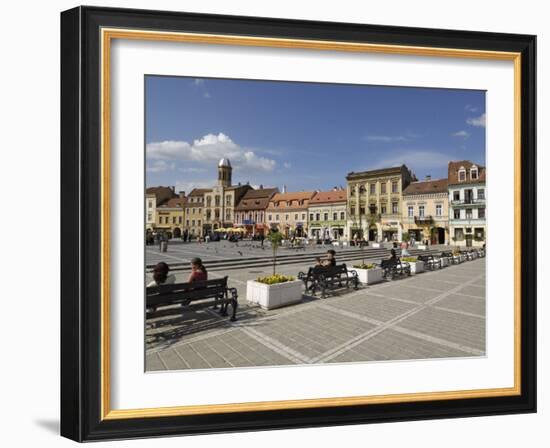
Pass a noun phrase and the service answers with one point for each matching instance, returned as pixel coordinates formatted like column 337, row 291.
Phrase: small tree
column 275, row 238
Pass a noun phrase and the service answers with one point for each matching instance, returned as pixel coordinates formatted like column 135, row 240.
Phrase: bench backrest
column 179, row 292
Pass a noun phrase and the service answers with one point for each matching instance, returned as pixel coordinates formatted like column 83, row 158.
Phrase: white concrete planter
column 369, row 276
column 274, row 296
column 421, row 247
column 376, row 245
column 462, row 258
column 445, row 262
column 416, row 267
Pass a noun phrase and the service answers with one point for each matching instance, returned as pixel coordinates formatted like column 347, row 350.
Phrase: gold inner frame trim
column 107, row 35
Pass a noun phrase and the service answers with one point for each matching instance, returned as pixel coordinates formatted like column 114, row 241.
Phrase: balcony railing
column 423, row 220
column 466, row 202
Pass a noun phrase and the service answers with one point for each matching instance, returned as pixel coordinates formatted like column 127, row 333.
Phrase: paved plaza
column 438, row 314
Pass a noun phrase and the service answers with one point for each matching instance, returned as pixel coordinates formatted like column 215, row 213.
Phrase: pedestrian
column 198, row 271
column 160, row 275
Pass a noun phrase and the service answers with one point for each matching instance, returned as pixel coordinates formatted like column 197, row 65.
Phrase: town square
column 322, row 247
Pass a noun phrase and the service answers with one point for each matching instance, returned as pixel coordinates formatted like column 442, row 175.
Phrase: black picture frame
column 81, row 224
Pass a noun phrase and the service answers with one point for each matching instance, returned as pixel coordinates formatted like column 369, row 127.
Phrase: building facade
column 220, row 201
column 467, row 203
column 171, row 216
column 150, row 211
column 288, row 213
column 375, row 200
column 250, row 211
column 425, row 213
column 328, row 215
column 194, row 211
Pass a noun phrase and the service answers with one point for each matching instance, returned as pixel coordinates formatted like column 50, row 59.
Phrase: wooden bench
column 328, row 278
column 194, row 295
column 394, row 267
column 430, row 261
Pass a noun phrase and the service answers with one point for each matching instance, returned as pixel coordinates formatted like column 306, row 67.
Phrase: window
column 217, row 201
column 456, row 195
column 362, row 210
column 193, row 211
column 303, row 216
column 150, row 204
column 228, row 200
column 394, row 208
column 193, row 223
column 394, row 186
column 362, row 189
column 468, row 213
column 342, row 216
column 481, row 193
column 410, row 211
column 352, row 211
column 325, row 216
column 481, row 213
column 421, row 211
column 217, row 214
column 317, row 216
column 438, row 210
column 352, row 191
column 383, row 209
column 459, row 234
column 286, row 217
column 187, row 223
column 383, row 188
column 456, row 214
column 228, row 214
column 270, row 217
column 276, row 217
column 173, row 219
column 335, row 216
column 199, row 222
column 479, row 233
column 473, row 173
column 149, row 216
column 372, row 188
column 461, row 174
column 180, row 219
column 296, row 217
column 311, row 216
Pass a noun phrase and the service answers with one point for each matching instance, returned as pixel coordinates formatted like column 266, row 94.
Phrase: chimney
column 261, row 186
column 284, row 189
column 181, row 194
column 428, row 177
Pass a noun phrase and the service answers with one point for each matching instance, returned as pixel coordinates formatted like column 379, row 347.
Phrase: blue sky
column 305, row 135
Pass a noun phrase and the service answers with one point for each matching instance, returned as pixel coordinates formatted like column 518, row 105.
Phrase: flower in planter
column 364, row 266
column 274, row 279
column 410, row 259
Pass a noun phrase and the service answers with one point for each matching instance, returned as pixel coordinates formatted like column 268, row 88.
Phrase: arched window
column 461, row 174
column 474, row 173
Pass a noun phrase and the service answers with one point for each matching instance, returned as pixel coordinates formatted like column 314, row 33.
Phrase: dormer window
column 461, row 174
column 474, row 173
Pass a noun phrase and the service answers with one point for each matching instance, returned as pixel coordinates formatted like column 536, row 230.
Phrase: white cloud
column 209, row 149
column 159, row 166
column 191, row 169
column 198, row 82
column 477, row 121
column 207, row 95
column 418, row 160
column 187, row 186
column 470, row 108
column 287, row 165
column 461, row 134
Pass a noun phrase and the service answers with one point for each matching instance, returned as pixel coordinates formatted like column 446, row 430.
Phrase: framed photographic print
column 273, row 223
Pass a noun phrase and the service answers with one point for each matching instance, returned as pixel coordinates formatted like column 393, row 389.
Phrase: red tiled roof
column 174, row 203
column 322, row 197
column 256, row 199
column 426, row 187
column 454, row 167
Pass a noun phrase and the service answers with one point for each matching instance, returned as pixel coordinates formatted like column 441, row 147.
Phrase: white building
column 150, row 210
column 467, row 204
column 328, row 215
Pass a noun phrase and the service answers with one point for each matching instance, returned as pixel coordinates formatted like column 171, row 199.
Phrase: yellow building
column 194, row 211
column 287, row 212
column 221, row 199
column 375, row 203
column 426, row 211
column 171, row 216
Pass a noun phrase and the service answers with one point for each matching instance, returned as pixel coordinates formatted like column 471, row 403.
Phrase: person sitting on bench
column 331, row 258
column 160, row 275
column 198, row 271
column 318, row 261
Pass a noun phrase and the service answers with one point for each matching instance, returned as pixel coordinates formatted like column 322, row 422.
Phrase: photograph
column 297, row 223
